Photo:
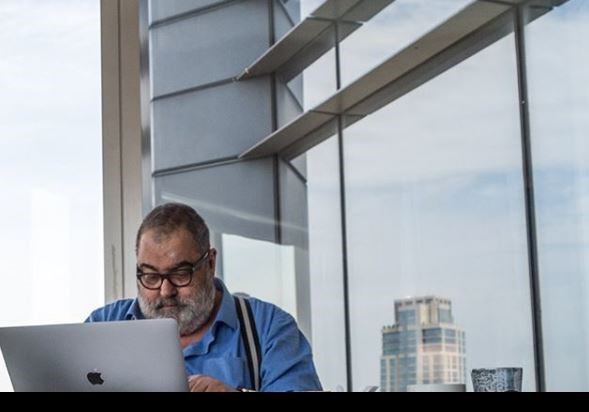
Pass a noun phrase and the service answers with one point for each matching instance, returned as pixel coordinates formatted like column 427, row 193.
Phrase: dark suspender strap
column 250, row 339
column 256, row 340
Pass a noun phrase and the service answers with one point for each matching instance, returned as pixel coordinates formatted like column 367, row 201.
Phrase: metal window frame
column 122, row 144
column 529, row 198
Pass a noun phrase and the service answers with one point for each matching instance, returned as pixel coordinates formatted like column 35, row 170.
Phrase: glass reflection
column 396, row 26
column 557, row 60
column 439, row 215
column 326, row 264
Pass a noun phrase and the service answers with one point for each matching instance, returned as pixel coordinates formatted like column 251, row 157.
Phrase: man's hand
column 203, row 383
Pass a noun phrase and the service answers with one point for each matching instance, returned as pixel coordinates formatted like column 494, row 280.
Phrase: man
column 176, row 279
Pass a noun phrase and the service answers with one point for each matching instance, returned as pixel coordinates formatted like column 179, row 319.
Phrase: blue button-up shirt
column 287, row 363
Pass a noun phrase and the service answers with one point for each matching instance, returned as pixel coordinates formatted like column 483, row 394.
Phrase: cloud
column 50, row 68
column 435, row 195
column 50, row 143
column 50, row 113
column 389, row 31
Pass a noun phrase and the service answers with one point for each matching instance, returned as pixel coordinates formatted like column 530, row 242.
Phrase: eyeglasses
column 179, row 278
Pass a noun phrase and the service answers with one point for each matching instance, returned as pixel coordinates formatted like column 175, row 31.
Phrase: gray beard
column 191, row 312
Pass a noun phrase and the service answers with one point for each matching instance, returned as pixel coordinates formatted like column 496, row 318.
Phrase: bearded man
column 176, row 279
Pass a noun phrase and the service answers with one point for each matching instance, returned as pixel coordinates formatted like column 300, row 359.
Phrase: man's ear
column 213, row 260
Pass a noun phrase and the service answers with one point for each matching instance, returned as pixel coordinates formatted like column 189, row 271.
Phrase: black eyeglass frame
column 162, row 276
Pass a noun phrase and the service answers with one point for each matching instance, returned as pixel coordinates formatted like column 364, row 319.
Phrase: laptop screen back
column 141, row 355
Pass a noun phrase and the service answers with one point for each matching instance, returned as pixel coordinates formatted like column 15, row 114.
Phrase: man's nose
column 167, row 289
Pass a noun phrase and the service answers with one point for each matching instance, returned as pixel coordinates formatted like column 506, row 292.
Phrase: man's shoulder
column 261, row 306
column 117, row 310
column 267, row 314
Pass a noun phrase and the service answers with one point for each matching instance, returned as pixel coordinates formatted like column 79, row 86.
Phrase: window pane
column 557, row 60
column 51, row 162
column 298, row 9
column 396, row 26
column 261, row 269
column 307, row 6
column 326, row 264
column 319, row 81
column 436, row 224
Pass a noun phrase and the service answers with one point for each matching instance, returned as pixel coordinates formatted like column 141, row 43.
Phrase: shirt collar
column 134, row 311
column 226, row 314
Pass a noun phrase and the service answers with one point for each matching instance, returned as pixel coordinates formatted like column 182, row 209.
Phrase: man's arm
column 287, row 361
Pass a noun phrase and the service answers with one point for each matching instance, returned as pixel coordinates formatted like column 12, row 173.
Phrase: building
column 424, row 345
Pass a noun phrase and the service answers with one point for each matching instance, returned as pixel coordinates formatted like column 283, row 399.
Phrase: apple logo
column 94, row 377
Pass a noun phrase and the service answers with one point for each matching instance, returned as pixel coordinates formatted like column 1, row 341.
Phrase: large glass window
column 51, row 163
column 435, row 213
column 272, row 281
column 326, row 264
column 319, row 81
column 319, row 169
column 437, row 247
column 392, row 29
column 557, row 59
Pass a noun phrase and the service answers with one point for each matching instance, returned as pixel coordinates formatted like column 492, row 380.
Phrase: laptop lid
column 140, row 355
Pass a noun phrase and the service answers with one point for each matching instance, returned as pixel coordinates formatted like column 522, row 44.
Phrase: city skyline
column 424, row 346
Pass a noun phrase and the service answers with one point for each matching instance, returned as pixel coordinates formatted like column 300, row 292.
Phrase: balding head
column 171, row 217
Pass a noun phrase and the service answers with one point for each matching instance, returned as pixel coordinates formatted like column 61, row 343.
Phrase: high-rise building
column 423, row 346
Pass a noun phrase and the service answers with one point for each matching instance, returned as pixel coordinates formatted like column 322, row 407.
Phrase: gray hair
column 170, row 217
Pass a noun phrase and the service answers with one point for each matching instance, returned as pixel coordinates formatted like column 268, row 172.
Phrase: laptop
column 139, row 355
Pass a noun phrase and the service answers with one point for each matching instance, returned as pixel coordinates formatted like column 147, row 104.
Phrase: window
column 273, row 280
column 51, row 162
column 407, row 317
column 395, row 27
column 557, row 60
column 325, row 249
column 445, row 316
column 440, row 211
column 436, row 248
column 432, row 336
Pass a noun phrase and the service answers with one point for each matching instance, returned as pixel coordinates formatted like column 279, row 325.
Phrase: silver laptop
column 140, row 355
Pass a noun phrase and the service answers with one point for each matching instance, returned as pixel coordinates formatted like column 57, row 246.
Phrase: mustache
column 160, row 303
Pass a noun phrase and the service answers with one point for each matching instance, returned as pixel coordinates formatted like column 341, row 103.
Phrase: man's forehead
column 165, row 259
column 156, row 235
column 172, row 245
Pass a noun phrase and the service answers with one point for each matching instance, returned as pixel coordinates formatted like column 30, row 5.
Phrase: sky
column 50, row 161
column 435, row 202
column 435, row 198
